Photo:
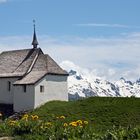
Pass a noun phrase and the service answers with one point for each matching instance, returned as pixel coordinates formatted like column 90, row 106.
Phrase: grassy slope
column 102, row 113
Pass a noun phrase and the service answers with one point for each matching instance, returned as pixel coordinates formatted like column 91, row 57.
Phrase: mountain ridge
column 83, row 84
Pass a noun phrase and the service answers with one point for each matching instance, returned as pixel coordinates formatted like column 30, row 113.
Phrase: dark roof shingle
column 10, row 60
column 29, row 64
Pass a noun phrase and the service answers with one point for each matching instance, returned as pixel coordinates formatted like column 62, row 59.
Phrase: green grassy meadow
column 96, row 118
column 102, row 113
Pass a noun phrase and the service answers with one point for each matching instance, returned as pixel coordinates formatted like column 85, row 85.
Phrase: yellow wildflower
column 12, row 123
column 25, row 117
column 65, row 125
column 85, row 122
column 44, row 125
column 49, row 124
column 34, row 117
column 62, row 117
column 79, row 122
column 73, row 124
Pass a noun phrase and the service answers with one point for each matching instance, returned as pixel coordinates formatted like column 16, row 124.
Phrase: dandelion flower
column 65, row 125
column 85, row 122
column 49, row 124
column 25, row 117
column 73, row 124
column 12, row 123
column 79, row 122
column 62, row 117
column 34, row 117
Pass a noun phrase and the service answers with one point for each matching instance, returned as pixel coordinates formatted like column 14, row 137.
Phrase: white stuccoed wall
column 6, row 97
column 23, row 100
column 55, row 88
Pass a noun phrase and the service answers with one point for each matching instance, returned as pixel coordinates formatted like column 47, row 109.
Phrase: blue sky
column 64, row 17
column 100, row 35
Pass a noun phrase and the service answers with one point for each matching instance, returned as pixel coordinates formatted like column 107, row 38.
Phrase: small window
column 9, row 86
column 24, row 88
column 41, row 88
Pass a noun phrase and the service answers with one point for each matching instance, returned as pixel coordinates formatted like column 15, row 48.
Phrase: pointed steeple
column 34, row 42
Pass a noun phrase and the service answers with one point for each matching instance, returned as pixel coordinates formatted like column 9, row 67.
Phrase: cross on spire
column 34, row 42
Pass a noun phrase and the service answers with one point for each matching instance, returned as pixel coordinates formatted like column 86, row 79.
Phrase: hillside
column 101, row 112
column 94, row 118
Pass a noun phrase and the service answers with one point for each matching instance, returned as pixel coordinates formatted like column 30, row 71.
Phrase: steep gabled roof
column 29, row 65
column 16, row 62
column 44, row 65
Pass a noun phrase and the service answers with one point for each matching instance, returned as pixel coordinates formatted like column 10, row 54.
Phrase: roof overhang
column 33, row 83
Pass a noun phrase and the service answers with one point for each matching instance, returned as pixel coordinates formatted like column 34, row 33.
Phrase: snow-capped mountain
column 82, row 84
column 128, row 88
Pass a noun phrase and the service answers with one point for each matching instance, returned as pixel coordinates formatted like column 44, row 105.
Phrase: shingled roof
column 30, row 65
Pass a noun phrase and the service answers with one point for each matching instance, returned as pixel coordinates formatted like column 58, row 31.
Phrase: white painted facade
column 54, row 88
column 23, row 100
column 6, row 94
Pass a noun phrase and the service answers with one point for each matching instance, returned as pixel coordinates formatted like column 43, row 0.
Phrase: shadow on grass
column 6, row 110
